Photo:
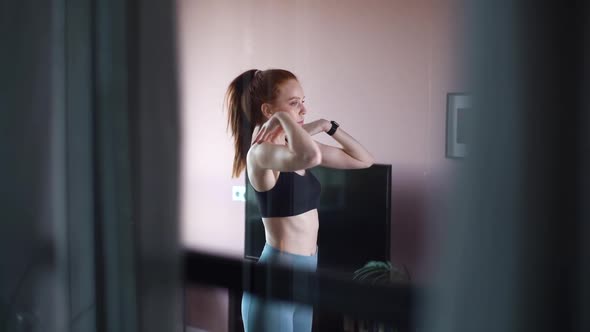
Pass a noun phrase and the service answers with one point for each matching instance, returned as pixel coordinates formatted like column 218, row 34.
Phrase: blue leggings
column 263, row 315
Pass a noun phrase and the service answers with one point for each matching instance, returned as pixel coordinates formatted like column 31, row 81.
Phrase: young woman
column 272, row 141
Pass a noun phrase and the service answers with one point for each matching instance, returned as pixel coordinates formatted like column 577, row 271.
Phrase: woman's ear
column 266, row 110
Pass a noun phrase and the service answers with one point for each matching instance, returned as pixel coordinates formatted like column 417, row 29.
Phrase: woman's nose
column 303, row 109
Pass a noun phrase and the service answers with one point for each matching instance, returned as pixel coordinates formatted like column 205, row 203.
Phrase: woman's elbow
column 368, row 163
column 313, row 159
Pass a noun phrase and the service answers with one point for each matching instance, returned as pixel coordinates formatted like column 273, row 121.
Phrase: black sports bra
column 292, row 194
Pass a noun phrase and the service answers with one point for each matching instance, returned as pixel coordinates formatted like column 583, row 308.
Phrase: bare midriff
column 296, row 234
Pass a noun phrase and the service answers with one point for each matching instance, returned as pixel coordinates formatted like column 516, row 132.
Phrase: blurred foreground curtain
column 89, row 164
column 517, row 256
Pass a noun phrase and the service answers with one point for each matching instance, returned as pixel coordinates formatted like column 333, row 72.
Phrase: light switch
column 238, row 193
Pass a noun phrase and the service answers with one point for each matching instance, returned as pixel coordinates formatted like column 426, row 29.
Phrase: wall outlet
column 238, row 193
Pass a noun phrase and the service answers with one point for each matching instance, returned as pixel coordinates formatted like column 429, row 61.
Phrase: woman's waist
column 299, row 225
column 296, row 234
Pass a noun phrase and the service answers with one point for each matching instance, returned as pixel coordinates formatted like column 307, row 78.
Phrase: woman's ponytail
column 238, row 103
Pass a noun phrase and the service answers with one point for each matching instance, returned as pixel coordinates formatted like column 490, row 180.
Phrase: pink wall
column 382, row 68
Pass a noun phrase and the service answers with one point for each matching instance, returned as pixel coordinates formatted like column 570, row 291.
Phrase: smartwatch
column 332, row 130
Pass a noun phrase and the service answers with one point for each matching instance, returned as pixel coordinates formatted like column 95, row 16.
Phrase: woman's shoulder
column 264, row 150
column 257, row 154
column 253, row 153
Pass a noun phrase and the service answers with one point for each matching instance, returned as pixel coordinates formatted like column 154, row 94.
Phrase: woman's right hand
column 269, row 130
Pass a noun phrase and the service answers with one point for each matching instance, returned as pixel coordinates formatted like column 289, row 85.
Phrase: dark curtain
column 89, row 164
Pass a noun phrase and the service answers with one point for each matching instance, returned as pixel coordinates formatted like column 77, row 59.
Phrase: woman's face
column 291, row 100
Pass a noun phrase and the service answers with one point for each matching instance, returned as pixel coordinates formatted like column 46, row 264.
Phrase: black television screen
column 354, row 213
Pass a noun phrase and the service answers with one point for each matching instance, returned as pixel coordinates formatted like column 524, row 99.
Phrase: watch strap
column 332, row 130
